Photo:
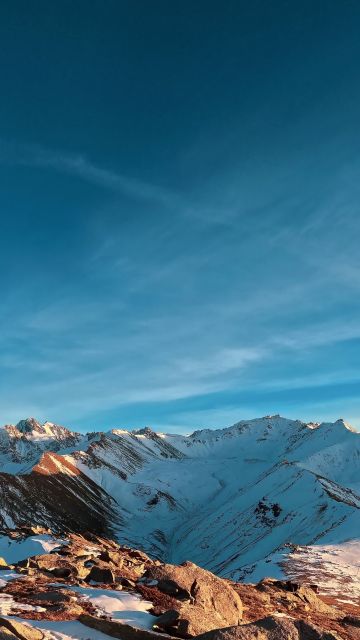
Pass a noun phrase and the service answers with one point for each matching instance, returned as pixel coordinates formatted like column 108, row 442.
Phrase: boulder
column 20, row 630
column 104, row 575
column 270, row 628
column 53, row 563
column 128, row 584
column 294, row 594
column 202, row 600
column 82, row 572
column 114, row 557
column 120, row 630
column 45, row 561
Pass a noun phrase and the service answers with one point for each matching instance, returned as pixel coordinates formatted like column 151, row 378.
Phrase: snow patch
column 15, row 550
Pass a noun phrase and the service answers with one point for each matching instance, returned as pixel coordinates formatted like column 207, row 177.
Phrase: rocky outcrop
column 271, row 628
column 93, row 559
column 202, row 601
column 293, row 594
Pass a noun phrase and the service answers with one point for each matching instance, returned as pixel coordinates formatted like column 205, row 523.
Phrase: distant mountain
column 237, row 501
column 21, row 445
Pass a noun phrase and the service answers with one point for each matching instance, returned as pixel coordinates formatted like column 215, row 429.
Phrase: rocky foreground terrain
column 86, row 587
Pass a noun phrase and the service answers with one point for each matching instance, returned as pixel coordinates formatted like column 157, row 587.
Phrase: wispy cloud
column 223, row 361
column 319, row 335
column 80, row 166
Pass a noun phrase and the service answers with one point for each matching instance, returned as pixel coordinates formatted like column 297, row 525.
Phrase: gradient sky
column 179, row 209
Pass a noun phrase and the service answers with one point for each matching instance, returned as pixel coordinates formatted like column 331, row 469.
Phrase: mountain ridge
column 236, row 500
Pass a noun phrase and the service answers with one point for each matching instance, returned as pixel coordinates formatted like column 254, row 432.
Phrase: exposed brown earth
column 66, row 497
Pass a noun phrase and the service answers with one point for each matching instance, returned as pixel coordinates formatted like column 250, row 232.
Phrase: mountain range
column 261, row 497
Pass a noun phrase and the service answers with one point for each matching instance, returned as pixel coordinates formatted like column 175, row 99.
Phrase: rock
column 114, row 557
column 295, row 594
column 3, row 563
column 100, row 574
column 270, row 628
column 24, row 564
column 80, row 552
column 70, row 611
column 171, row 588
column 82, row 572
column 53, row 563
column 21, row 631
column 309, row 596
column 138, row 555
column 119, row 630
column 125, row 582
column 168, row 619
column 62, row 572
column 59, row 566
column 202, row 600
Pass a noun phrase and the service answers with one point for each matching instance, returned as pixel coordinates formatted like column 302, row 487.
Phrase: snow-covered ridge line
column 32, row 429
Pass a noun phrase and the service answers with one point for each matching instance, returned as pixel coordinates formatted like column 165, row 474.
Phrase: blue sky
column 179, row 210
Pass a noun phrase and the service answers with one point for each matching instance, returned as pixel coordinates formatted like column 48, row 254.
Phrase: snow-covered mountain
column 233, row 500
column 22, row 445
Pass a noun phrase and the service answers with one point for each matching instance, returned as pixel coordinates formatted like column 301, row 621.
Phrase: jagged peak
column 28, row 425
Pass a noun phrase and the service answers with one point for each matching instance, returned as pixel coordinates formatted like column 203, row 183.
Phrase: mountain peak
column 32, row 428
column 145, row 431
column 28, row 425
column 341, row 422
